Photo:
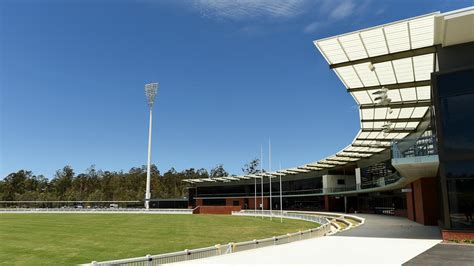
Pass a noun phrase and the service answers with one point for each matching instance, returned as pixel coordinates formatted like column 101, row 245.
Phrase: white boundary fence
column 89, row 211
column 216, row 250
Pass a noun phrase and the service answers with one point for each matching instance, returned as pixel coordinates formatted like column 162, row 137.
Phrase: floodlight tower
column 150, row 92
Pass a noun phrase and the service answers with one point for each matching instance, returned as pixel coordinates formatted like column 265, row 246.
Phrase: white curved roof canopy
column 387, row 70
column 394, row 61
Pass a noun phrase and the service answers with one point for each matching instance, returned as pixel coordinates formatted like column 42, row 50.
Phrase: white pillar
column 148, row 174
column 255, row 198
column 358, row 178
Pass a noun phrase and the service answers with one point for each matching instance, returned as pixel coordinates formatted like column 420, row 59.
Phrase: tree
column 252, row 167
column 97, row 185
column 218, row 171
column 62, row 182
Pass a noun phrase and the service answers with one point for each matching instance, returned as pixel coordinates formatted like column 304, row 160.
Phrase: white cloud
column 245, row 9
column 342, row 10
column 332, row 11
column 314, row 26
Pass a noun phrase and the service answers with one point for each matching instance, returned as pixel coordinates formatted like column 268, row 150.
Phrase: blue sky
column 232, row 75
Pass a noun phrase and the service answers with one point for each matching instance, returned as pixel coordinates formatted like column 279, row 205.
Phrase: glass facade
column 456, row 96
column 460, row 179
column 455, row 103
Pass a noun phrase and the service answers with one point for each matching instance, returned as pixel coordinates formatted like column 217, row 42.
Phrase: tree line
column 98, row 185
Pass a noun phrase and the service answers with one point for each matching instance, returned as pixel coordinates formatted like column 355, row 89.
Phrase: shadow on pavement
column 445, row 254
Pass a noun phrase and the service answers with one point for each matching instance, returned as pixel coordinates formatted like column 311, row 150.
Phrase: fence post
column 255, row 243
column 94, row 263
column 288, row 235
column 274, row 240
column 218, row 247
column 148, row 259
column 187, row 253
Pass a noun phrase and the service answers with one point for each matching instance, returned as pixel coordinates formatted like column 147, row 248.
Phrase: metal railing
column 285, row 214
column 251, row 194
column 110, row 210
column 381, row 182
column 413, row 147
column 191, row 254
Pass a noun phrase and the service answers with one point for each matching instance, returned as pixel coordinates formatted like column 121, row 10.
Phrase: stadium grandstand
column 414, row 153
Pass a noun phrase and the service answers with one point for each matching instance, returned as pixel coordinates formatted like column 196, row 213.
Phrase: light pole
column 281, row 199
column 261, row 172
column 270, row 176
column 150, row 92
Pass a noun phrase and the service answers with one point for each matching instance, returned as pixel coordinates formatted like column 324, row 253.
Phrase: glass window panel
column 458, row 123
column 460, row 179
column 455, row 83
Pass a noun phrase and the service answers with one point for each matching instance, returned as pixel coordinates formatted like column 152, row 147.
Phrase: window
column 456, row 98
column 213, row 202
column 458, row 123
column 341, row 181
column 460, row 179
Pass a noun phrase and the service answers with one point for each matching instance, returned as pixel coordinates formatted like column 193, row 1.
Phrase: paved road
column 382, row 240
column 445, row 254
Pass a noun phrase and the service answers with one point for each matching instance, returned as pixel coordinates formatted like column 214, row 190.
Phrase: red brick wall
column 333, row 204
column 251, row 201
column 430, row 201
column 424, row 208
column 457, row 235
column 218, row 209
column 198, row 202
column 410, row 204
column 259, row 200
column 230, row 202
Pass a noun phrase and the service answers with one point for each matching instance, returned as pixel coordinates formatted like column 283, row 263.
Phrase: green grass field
column 67, row 239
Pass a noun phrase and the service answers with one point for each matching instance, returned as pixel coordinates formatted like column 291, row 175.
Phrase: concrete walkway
column 382, row 226
column 381, row 240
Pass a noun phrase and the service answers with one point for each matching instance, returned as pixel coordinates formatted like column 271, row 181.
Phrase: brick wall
column 457, row 235
column 422, row 202
column 218, row 209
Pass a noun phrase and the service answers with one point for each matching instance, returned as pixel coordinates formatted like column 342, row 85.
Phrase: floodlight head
column 150, row 91
column 382, row 91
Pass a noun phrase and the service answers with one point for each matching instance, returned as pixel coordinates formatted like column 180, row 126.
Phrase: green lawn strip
column 67, row 239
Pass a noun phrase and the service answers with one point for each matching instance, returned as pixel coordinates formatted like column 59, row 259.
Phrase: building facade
column 414, row 154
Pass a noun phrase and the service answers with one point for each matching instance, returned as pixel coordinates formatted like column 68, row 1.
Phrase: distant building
column 413, row 81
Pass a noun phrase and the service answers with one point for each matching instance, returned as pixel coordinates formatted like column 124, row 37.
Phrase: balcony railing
column 413, row 147
column 379, row 182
